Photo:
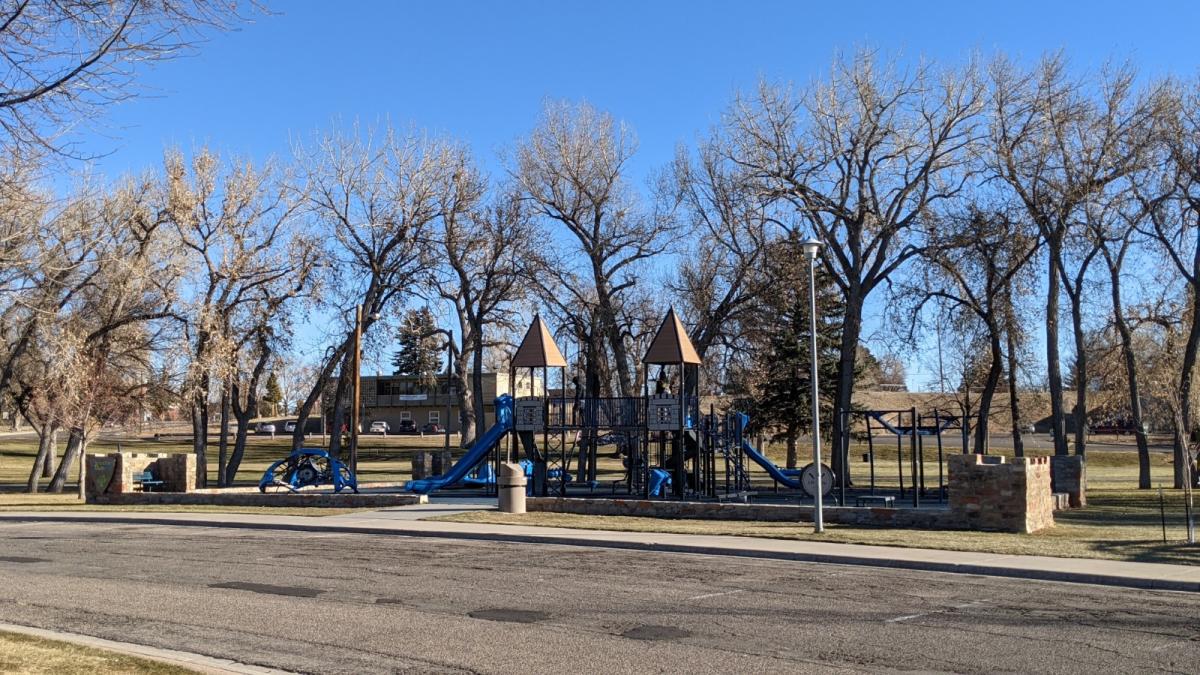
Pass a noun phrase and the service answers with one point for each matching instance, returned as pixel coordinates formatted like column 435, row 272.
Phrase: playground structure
column 664, row 445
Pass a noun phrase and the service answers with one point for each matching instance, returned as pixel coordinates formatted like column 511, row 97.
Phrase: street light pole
column 811, row 248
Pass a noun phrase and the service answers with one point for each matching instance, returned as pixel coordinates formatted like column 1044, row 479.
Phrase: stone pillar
column 988, row 493
column 441, row 462
column 422, row 465
column 1069, row 474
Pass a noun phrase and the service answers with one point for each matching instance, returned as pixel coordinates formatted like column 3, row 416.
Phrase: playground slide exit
column 790, row 478
column 477, row 453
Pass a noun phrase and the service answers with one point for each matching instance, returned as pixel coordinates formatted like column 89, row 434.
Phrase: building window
column 405, row 415
column 435, row 417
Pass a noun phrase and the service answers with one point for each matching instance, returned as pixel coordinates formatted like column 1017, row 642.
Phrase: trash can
column 511, row 483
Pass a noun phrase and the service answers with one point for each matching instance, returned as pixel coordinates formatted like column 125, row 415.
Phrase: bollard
column 511, row 482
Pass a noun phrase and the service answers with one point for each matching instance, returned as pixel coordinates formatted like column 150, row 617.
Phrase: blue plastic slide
column 476, row 454
column 789, row 477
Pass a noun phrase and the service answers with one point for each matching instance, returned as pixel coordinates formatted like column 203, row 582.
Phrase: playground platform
column 405, row 522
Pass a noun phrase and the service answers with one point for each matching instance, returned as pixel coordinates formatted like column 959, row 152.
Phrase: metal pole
column 818, row 512
column 354, row 408
column 912, row 458
column 871, row 452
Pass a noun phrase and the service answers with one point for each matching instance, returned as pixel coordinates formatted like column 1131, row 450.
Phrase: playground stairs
column 736, row 462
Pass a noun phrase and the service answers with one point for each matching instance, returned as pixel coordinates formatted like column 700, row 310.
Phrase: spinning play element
column 308, row 467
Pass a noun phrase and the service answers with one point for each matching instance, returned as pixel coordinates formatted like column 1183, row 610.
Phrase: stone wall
column 987, row 492
column 113, row 473
column 1068, row 473
column 255, row 498
column 932, row 518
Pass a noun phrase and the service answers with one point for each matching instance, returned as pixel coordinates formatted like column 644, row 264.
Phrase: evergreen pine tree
column 419, row 352
column 778, row 384
column 273, row 394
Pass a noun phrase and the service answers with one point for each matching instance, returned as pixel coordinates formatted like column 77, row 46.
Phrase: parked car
column 289, row 427
column 381, row 427
column 432, row 428
column 407, row 427
column 265, row 428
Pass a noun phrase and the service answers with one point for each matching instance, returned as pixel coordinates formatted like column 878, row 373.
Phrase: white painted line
column 714, row 595
column 906, row 617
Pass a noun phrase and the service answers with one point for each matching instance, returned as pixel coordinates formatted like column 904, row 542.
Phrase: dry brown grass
column 27, row 654
column 1118, row 525
column 70, row 502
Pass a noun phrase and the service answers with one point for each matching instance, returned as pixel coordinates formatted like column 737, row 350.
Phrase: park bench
column 146, row 482
column 886, row 501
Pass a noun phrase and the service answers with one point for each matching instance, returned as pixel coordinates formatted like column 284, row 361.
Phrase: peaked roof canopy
column 538, row 350
column 671, row 344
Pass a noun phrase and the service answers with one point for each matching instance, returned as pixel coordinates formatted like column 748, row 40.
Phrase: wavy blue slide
column 789, row 477
column 476, row 454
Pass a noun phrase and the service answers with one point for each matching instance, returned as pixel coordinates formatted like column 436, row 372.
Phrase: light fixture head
column 810, row 248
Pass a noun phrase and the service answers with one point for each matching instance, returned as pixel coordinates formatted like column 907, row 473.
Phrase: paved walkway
column 405, row 521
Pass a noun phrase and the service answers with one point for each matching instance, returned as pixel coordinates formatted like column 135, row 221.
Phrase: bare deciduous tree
column 63, row 59
column 1056, row 146
column 861, row 159
column 572, row 169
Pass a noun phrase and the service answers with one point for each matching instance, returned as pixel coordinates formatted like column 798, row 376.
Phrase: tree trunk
column 1081, row 376
column 48, row 464
column 467, row 408
column 616, row 340
column 223, row 443
column 318, row 388
column 844, row 391
column 45, row 450
column 1131, row 373
column 200, row 432
column 1014, row 403
column 339, row 419
column 477, row 379
column 239, row 444
column 995, row 370
column 75, row 447
column 1186, row 382
column 1053, row 362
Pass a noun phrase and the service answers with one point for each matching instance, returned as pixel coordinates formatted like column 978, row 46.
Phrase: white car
column 289, row 427
column 265, row 428
column 380, row 427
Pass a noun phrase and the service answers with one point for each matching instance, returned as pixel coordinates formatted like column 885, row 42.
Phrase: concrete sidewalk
column 404, row 521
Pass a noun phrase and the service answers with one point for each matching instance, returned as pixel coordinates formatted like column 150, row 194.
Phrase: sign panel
column 529, row 414
column 663, row 414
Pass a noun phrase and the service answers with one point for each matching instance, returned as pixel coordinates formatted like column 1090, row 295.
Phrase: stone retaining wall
column 240, row 498
column 113, row 473
column 931, row 518
column 986, row 493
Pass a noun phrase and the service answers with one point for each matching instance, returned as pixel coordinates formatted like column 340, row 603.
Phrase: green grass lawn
column 27, row 654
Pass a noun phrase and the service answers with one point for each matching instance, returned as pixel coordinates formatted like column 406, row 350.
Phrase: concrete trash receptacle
column 511, row 483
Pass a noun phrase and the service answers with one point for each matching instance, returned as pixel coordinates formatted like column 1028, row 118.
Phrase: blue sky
column 480, row 70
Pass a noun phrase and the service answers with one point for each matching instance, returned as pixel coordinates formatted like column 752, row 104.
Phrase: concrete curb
column 797, row 556
column 197, row 662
